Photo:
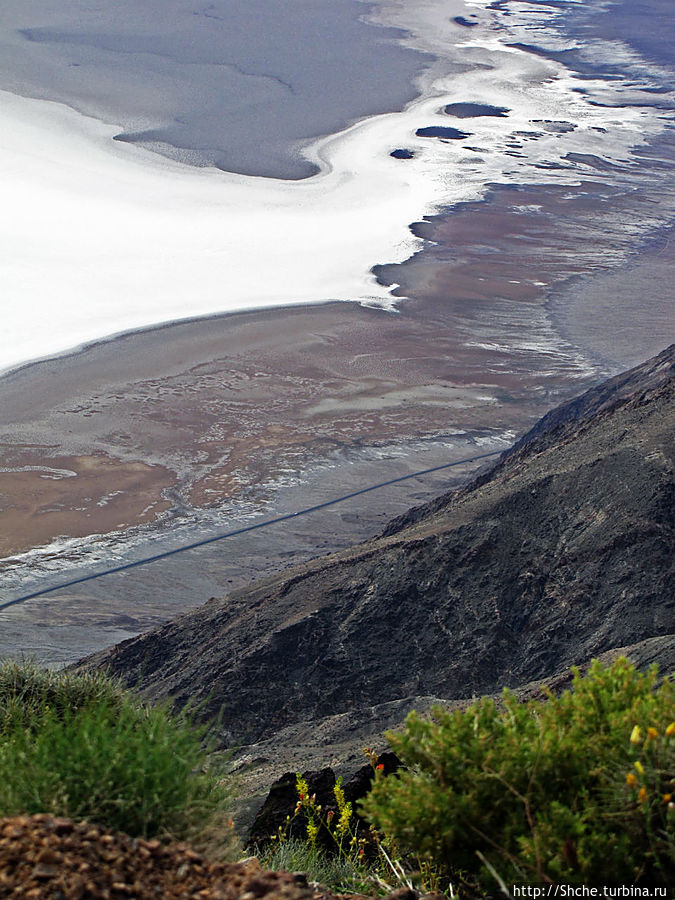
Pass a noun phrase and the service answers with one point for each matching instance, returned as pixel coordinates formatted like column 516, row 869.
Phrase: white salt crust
column 99, row 237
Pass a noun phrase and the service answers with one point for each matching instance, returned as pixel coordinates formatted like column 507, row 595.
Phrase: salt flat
column 101, row 237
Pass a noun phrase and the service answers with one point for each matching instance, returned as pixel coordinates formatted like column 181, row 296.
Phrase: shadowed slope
column 561, row 552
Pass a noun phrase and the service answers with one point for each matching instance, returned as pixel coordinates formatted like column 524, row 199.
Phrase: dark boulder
column 279, row 812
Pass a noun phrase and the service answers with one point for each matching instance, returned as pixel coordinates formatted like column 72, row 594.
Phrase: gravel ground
column 46, row 858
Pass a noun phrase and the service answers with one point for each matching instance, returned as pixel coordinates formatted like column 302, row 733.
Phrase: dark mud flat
column 474, row 110
column 440, row 131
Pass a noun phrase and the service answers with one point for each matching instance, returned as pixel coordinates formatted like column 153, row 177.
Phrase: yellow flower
column 636, row 735
column 667, row 798
column 642, row 795
column 631, row 780
column 652, row 733
column 670, row 730
column 639, row 767
column 339, row 794
column 301, row 786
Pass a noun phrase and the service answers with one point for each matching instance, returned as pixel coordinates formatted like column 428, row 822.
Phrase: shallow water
column 102, row 237
column 224, row 83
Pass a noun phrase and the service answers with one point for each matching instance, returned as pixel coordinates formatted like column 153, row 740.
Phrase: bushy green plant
column 537, row 792
column 26, row 691
column 78, row 746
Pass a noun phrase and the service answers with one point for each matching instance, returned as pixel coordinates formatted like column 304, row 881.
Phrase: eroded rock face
column 563, row 551
column 280, row 804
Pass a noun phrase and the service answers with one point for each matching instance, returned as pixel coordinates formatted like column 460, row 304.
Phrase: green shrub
column 546, row 791
column 79, row 746
column 26, row 691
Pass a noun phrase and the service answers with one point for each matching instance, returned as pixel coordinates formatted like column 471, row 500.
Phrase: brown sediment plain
column 198, row 413
column 39, row 502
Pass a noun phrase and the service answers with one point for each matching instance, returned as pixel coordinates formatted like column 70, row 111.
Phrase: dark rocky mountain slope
column 561, row 552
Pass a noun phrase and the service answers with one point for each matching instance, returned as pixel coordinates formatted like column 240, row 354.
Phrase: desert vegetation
column 78, row 746
column 577, row 788
column 570, row 789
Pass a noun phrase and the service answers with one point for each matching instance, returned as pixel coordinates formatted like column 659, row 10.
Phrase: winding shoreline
column 98, row 225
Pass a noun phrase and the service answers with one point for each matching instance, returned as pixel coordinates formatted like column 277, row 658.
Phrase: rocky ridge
column 561, row 552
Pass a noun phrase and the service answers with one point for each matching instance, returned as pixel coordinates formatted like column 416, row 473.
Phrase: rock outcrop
column 278, row 812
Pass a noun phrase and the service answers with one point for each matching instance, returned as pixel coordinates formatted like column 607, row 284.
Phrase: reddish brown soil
column 42, row 496
column 46, row 858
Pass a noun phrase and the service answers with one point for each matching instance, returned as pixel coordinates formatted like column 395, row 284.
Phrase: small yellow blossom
column 642, row 795
column 301, row 786
column 631, row 780
column 670, row 730
column 639, row 767
column 636, row 735
column 667, row 798
column 344, row 820
column 652, row 733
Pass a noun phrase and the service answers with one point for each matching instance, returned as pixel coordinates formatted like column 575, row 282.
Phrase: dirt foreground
column 45, row 858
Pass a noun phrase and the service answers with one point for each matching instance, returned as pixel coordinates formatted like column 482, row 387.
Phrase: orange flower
column 631, row 780
column 380, row 767
column 652, row 733
column 642, row 795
